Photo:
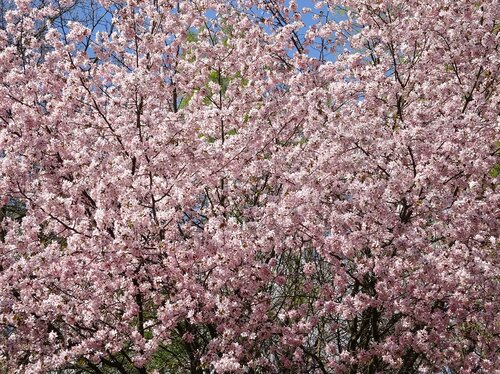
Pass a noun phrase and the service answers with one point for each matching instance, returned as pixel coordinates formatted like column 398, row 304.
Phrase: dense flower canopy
column 249, row 186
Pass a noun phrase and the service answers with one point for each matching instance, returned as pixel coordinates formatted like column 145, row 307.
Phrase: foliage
column 249, row 186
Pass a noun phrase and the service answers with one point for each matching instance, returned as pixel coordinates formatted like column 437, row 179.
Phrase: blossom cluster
column 249, row 186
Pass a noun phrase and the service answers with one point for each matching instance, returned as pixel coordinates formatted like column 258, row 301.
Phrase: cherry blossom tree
column 249, row 186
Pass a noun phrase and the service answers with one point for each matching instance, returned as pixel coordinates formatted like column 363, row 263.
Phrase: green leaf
column 495, row 171
column 207, row 100
column 232, row 132
column 213, row 76
column 185, row 101
column 209, row 139
column 192, row 37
